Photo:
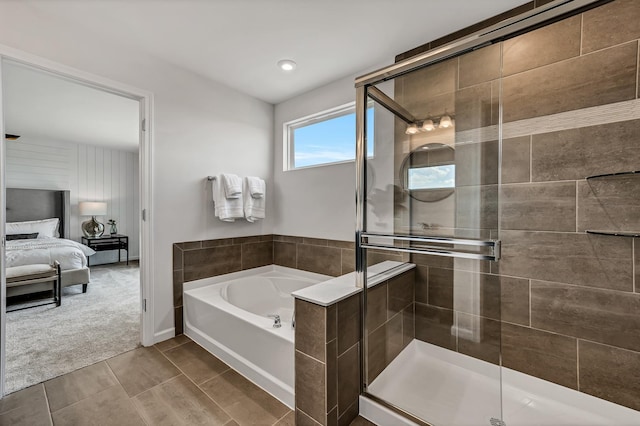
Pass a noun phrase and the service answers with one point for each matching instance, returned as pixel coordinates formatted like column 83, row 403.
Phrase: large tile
column 516, row 160
column 303, row 419
column 600, row 78
column 440, row 288
column 514, row 300
column 80, row 384
column 480, row 65
column 426, row 83
column 477, row 163
column 609, row 204
column 435, row 325
column 348, row 379
column 209, row 262
column 422, row 284
column 610, row 373
column 473, row 107
column 284, row 254
column 551, row 43
column 582, row 259
column 361, row 421
column 178, row 282
column 141, row 369
column 348, row 260
column 288, row 420
column 320, row 259
column 257, row 254
column 109, row 407
column 408, row 325
column 172, row 343
column 540, row 354
column 310, row 387
column 477, row 207
column 179, row 402
column 195, row 362
column 539, row 206
column 610, row 24
column 332, row 375
column 477, row 294
column 245, row 402
column 400, row 290
column 27, row 407
column 178, row 320
column 177, row 257
column 348, row 323
column 479, row 337
column 376, row 306
column 394, row 338
column 376, row 353
column 577, row 153
column 310, row 329
column 603, row 316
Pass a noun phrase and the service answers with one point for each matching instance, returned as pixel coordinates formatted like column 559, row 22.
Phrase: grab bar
column 493, row 245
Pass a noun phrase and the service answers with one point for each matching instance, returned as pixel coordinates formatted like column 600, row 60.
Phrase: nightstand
column 108, row 242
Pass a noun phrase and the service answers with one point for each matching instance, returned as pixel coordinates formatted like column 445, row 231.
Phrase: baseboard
column 163, row 335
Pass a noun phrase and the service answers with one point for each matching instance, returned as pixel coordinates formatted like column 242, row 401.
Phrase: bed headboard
column 35, row 204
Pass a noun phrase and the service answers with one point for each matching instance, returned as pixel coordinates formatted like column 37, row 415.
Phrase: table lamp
column 92, row 228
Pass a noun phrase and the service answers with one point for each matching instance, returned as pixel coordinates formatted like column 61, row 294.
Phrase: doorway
column 116, row 176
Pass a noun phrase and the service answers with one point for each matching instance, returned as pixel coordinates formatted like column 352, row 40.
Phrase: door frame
column 145, row 98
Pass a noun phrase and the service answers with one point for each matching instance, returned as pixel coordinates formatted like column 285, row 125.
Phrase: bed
column 38, row 205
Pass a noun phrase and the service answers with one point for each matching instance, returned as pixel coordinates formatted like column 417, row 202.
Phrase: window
column 432, row 177
column 328, row 137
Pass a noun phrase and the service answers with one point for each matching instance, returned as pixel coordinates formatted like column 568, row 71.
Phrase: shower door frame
column 528, row 21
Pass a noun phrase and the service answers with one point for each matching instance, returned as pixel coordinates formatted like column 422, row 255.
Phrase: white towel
column 253, row 207
column 227, row 209
column 232, row 185
column 256, row 186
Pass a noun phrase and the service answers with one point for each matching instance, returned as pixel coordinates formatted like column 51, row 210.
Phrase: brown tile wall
column 327, row 344
column 390, row 321
column 561, row 304
column 194, row 260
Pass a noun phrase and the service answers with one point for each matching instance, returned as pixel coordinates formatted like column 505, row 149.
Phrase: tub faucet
column 276, row 321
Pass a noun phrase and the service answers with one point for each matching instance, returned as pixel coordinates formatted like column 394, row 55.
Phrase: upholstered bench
column 26, row 279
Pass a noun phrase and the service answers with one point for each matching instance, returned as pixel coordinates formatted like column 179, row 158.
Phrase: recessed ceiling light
column 287, row 65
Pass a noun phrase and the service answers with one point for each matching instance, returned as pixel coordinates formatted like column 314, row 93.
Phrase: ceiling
column 234, row 42
column 239, row 42
column 40, row 104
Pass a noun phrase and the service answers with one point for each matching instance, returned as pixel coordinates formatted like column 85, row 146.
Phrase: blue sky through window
column 432, row 177
column 330, row 141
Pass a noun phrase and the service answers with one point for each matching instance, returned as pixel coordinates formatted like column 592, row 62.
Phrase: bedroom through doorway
column 72, row 179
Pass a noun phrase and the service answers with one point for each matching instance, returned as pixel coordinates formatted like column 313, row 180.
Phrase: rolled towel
column 256, row 186
column 254, row 208
column 232, row 185
column 226, row 209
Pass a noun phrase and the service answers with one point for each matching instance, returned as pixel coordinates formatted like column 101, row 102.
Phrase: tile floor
column 176, row 382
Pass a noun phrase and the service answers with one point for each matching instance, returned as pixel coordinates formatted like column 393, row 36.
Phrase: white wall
column 90, row 174
column 319, row 202
column 200, row 128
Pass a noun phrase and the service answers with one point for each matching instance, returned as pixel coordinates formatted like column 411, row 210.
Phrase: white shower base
column 447, row 388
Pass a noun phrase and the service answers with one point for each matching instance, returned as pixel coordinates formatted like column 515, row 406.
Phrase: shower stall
column 505, row 168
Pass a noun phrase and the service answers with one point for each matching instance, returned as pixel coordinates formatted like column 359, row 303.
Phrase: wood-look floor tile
column 78, row 385
column 172, row 343
column 27, row 407
column 195, row 362
column 141, row 369
column 179, row 402
column 245, row 402
column 109, row 407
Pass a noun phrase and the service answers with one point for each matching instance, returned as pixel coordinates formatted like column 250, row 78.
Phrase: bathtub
column 228, row 316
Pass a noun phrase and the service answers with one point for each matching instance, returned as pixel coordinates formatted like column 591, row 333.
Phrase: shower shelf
column 614, row 233
column 635, row 172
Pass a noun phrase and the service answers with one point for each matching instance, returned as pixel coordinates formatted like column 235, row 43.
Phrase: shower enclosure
column 505, row 169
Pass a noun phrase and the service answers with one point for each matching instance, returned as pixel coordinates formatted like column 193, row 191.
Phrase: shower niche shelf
column 614, row 233
column 608, row 175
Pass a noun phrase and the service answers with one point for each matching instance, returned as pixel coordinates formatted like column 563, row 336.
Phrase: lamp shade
column 93, row 208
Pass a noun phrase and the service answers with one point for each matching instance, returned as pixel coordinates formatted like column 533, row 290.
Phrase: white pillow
column 46, row 228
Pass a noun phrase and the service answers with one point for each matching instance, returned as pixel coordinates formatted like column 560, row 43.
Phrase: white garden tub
column 228, row 316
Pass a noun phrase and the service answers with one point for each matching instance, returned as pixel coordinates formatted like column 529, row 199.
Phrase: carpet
column 48, row 341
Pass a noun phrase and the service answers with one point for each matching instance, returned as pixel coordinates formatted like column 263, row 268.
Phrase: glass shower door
column 429, row 223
